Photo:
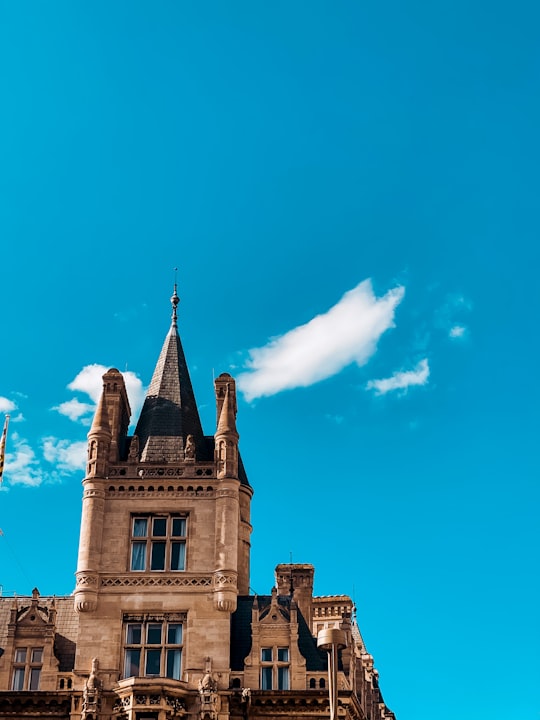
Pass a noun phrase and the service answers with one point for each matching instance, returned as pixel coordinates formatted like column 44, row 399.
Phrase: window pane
column 140, row 527
column 174, row 634
column 133, row 663
column 158, row 556
column 34, row 679
column 179, row 527
column 160, row 527
column 283, row 654
column 178, row 556
column 153, row 662
column 266, row 678
column 37, row 655
column 283, row 678
column 133, row 634
column 20, row 655
column 138, row 556
column 173, row 664
column 153, row 634
column 18, row 679
column 266, row 654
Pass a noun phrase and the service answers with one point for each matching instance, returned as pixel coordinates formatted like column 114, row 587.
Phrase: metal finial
column 175, row 300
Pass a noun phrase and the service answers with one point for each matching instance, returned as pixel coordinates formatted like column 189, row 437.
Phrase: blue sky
column 350, row 192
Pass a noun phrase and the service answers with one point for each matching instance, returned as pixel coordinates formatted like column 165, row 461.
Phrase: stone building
column 161, row 624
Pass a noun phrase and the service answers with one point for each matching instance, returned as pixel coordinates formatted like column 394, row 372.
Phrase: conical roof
column 169, row 413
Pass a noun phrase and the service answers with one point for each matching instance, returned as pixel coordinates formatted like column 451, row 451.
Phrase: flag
column 3, row 446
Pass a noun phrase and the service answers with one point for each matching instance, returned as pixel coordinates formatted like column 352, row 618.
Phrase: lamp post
column 332, row 640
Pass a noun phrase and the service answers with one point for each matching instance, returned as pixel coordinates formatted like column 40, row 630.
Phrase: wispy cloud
column 6, row 405
column 76, row 410
column 90, row 382
column 457, row 331
column 449, row 316
column 22, row 466
column 401, row 380
column 55, row 459
column 347, row 333
column 66, row 456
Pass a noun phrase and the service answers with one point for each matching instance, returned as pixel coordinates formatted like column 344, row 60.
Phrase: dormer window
column 158, row 542
column 27, row 668
column 275, row 668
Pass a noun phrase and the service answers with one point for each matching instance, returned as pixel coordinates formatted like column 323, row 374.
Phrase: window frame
column 154, row 547
column 27, row 668
column 279, row 668
column 141, row 649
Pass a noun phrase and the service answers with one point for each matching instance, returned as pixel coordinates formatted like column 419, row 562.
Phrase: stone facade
column 161, row 624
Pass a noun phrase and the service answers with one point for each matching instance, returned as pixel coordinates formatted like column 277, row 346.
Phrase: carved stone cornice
column 44, row 704
column 159, row 581
column 297, row 703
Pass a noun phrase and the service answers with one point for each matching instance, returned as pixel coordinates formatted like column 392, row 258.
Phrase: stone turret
column 227, row 496
column 226, row 436
column 118, row 411
column 99, row 448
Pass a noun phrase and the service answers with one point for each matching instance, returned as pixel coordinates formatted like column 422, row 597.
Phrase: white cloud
column 136, row 393
column 22, row 467
column 449, row 316
column 6, row 405
column 90, row 382
column 401, row 380
column 59, row 458
column 457, row 331
column 347, row 333
column 67, row 456
column 74, row 409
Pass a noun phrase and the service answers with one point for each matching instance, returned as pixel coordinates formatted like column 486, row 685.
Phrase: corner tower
column 165, row 535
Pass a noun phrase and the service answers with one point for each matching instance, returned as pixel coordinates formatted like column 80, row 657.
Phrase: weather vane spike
column 175, row 299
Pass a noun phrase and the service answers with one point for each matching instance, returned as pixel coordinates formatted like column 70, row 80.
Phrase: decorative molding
column 225, row 580
column 156, row 581
column 93, row 493
column 86, row 580
column 137, row 470
column 160, row 493
column 225, row 492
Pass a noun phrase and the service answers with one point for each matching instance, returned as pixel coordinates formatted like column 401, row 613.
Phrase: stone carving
column 183, row 581
column 92, row 693
column 208, row 694
column 189, row 452
column 176, row 704
column 225, row 580
column 87, row 580
column 246, row 702
column 133, row 456
column 92, row 456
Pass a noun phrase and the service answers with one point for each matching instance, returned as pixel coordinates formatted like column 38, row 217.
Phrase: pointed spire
column 169, row 412
column 99, row 440
column 174, row 302
column 227, row 416
column 100, row 423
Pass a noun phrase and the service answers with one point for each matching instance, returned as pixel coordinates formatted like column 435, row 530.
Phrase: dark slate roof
column 169, row 410
column 67, row 624
column 316, row 660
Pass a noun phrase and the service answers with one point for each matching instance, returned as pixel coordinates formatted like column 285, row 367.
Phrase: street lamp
column 332, row 640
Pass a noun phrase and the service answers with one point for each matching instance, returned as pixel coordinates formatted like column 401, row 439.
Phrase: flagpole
column 3, row 446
